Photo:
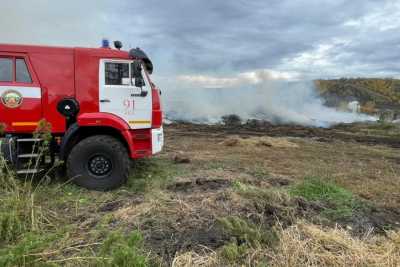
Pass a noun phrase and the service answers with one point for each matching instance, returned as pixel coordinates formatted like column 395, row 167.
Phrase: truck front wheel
column 98, row 162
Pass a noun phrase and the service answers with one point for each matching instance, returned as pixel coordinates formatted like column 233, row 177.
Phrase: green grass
column 33, row 232
column 40, row 225
column 28, row 250
column 41, row 249
column 338, row 202
column 152, row 174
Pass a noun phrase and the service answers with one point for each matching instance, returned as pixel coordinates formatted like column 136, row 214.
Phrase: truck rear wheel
column 98, row 162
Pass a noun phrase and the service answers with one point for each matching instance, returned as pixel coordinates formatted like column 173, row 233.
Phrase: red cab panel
column 20, row 93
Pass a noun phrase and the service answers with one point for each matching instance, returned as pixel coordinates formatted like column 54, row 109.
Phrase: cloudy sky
column 222, row 43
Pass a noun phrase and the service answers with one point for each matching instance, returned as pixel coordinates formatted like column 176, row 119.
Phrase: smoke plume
column 278, row 101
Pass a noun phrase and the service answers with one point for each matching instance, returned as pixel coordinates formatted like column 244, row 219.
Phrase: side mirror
column 139, row 82
column 137, row 77
column 136, row 68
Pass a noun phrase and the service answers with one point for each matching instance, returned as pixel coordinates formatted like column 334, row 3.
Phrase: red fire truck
column 100, row 102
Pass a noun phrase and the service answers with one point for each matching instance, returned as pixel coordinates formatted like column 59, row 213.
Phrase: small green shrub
column 246, row 232
column 232, row 252
column 123, row 251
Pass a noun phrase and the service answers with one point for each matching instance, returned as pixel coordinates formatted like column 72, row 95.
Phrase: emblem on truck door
column 11, row 99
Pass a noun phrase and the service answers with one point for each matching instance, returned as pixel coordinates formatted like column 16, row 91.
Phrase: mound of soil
column 200, row 184
column 278, row 142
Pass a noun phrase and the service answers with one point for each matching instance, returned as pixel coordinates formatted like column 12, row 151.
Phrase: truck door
column 20, row 94
column 121, row 94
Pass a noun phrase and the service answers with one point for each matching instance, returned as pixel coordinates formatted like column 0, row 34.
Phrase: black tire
column 99, row 162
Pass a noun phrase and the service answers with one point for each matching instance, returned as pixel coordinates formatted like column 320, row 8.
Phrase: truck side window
column 21, row 71
column 115, row 72
column 6, row 69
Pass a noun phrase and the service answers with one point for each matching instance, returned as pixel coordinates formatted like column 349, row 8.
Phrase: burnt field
column 363, row 158
column 239, row 195
column 371, row 133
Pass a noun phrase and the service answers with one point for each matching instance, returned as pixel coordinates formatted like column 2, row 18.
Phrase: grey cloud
column 238, row 35
column 208, row 37
column 51, row 22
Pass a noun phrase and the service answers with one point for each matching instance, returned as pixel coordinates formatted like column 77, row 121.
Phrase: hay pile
column 266, row 141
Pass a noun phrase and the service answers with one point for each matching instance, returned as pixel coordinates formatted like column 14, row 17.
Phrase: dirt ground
column 362, row 158
column 210, row 161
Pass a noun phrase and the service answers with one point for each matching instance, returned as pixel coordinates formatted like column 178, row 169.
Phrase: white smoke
column 278, row 101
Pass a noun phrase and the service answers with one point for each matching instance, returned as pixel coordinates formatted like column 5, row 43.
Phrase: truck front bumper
column 157, row 140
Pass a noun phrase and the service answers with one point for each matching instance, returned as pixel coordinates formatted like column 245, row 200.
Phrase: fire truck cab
column 101, row 104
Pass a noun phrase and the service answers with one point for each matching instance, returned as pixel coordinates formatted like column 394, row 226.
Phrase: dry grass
column 368, row 171
column 129, row 213
column 310, row 245
column 306, row 244
column 371, row 172
column 192, row 259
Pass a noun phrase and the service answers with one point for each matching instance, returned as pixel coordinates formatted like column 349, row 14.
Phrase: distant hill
column 373, row 94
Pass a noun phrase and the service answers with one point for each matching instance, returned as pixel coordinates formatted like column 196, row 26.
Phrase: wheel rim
column 99, row 166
